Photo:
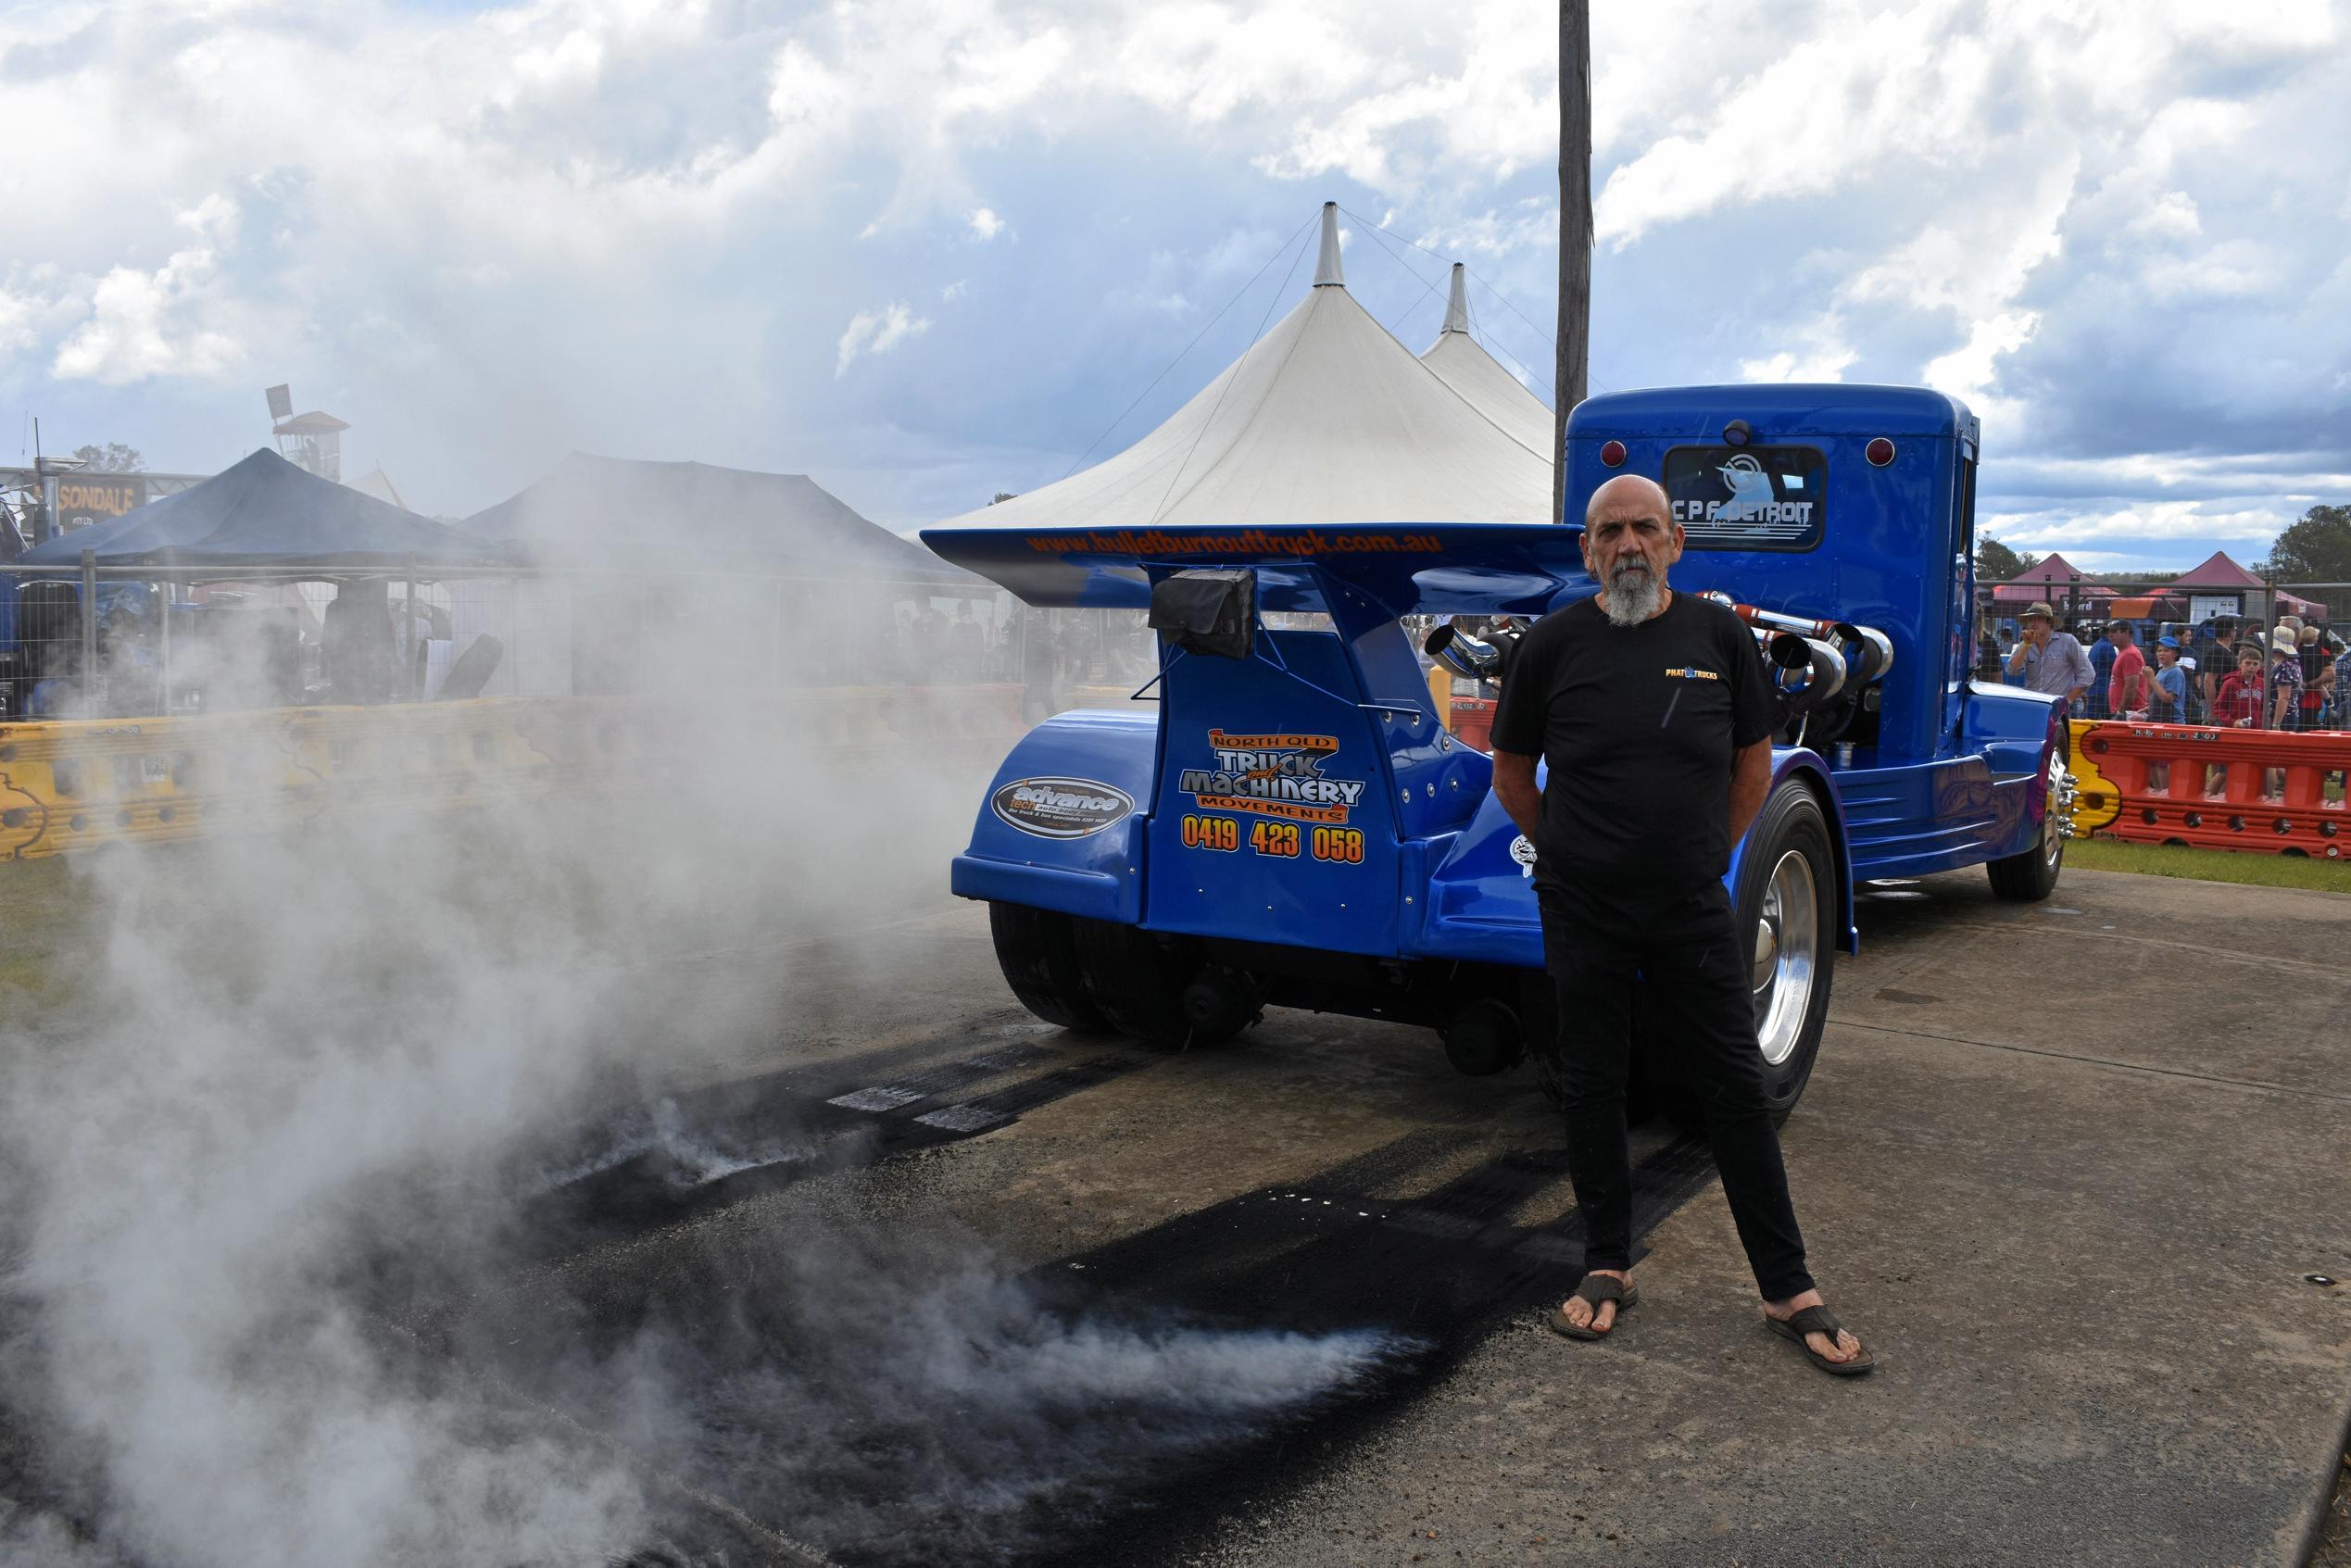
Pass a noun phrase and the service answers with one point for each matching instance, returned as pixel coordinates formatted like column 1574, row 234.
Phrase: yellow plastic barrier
column 2096, row 802
column 71, row 785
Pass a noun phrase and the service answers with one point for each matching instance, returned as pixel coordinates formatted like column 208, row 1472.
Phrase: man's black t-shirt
column 1638, row 725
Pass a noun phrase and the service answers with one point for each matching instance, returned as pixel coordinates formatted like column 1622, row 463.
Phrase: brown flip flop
column 1817, row 1320
column 1596, row 1289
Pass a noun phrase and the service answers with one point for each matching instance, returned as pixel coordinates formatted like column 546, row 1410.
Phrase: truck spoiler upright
column 1458, row 568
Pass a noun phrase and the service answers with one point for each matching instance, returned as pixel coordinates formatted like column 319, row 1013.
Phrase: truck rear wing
column 1398, row 569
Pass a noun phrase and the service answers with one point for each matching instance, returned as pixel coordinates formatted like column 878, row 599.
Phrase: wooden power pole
column 1575, row 233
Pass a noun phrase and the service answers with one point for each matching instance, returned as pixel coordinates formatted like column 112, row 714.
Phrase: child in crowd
column 2239, row 702
column 2168, row 690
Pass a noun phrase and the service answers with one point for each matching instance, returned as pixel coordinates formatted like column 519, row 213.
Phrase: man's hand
column 1514, row 787
column 1750, row 780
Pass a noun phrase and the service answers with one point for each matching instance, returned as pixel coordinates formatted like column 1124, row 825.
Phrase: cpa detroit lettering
column 1798, row 512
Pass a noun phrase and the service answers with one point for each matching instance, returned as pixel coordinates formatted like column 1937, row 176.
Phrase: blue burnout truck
column 1294, row 826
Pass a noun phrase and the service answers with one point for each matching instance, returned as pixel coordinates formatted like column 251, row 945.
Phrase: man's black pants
column 1682, row 946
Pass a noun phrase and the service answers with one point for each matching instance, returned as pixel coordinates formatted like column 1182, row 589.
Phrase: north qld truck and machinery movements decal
column 1272, row 775
column 1062, row 808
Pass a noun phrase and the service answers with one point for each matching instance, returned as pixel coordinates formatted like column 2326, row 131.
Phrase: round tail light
column 1880, row 452
column 1612, row 453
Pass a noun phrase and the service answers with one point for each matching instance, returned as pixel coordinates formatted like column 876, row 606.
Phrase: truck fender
column 1062, row 825
column 1809, row 771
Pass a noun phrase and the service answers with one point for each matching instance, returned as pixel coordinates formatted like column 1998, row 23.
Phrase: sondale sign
column 83, row 499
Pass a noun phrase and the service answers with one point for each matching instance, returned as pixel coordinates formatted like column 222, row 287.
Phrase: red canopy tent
column 2218, row 573
column 2049, row 579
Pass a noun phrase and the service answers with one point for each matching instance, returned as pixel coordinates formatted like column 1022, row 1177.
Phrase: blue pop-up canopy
column 263, row 513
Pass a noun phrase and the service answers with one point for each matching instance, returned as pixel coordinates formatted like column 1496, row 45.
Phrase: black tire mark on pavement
column 709, row 1148
column 1449, row 1268
column 1332, row 1253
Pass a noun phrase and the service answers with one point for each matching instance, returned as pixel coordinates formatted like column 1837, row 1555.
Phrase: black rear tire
column 1136, row 983
column 1038, row 952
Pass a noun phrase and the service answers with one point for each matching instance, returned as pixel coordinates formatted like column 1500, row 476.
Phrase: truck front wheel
column 2031, row 876
column 1785, row 902
column 1038, row 952
column 1788, row 898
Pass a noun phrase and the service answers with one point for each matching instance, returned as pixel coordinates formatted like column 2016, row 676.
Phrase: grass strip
column 2210, row 865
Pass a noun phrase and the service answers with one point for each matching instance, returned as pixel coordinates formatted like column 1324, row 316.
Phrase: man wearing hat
column 2049, row 660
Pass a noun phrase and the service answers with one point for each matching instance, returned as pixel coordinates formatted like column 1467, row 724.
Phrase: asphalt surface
column 2074, row 1228
column 920, row 1280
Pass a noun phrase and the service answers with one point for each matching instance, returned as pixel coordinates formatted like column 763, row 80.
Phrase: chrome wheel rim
column 1787, row 951
column 2052, row 823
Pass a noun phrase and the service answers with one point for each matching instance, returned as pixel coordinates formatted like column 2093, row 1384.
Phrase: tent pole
column 1575, row 235
column 408, row 683
column 90, row 631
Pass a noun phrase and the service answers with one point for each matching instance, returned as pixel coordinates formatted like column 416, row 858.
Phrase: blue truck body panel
column 1357, row 825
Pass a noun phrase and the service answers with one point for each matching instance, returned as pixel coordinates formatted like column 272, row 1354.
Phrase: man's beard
column 1634, row 595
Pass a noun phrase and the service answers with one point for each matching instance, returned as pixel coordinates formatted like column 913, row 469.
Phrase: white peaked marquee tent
column 1325, row 419
column 1479, row 377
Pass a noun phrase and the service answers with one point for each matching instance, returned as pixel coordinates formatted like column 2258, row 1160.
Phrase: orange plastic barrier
column 1473, row 722
column 2262, row 791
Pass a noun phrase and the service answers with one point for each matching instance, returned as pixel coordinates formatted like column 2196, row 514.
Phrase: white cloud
column 2153, row 522
column 2172, row 216
column 877, row 332
column 1971, row 370
column 1822, row 354
column 143, row 324
column 523, row 228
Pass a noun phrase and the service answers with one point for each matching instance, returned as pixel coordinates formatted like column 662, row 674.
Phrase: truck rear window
column 1749, row 497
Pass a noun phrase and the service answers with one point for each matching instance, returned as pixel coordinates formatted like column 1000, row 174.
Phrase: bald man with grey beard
column 1655, row 716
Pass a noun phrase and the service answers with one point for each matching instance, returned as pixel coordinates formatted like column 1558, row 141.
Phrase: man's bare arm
column 1750, row 779
column 1514, row 787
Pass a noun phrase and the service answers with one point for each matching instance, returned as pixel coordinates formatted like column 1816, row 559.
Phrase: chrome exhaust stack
column 1866, row 653
column 1820, row 665
column 1467, row 656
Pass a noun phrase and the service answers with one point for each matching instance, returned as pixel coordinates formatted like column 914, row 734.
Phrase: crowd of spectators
column 2224, row 671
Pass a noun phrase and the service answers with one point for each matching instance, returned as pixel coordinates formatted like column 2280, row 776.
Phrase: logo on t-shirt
column 1683, row 672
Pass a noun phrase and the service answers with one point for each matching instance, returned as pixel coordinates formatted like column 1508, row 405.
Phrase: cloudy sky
column 924, row 250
